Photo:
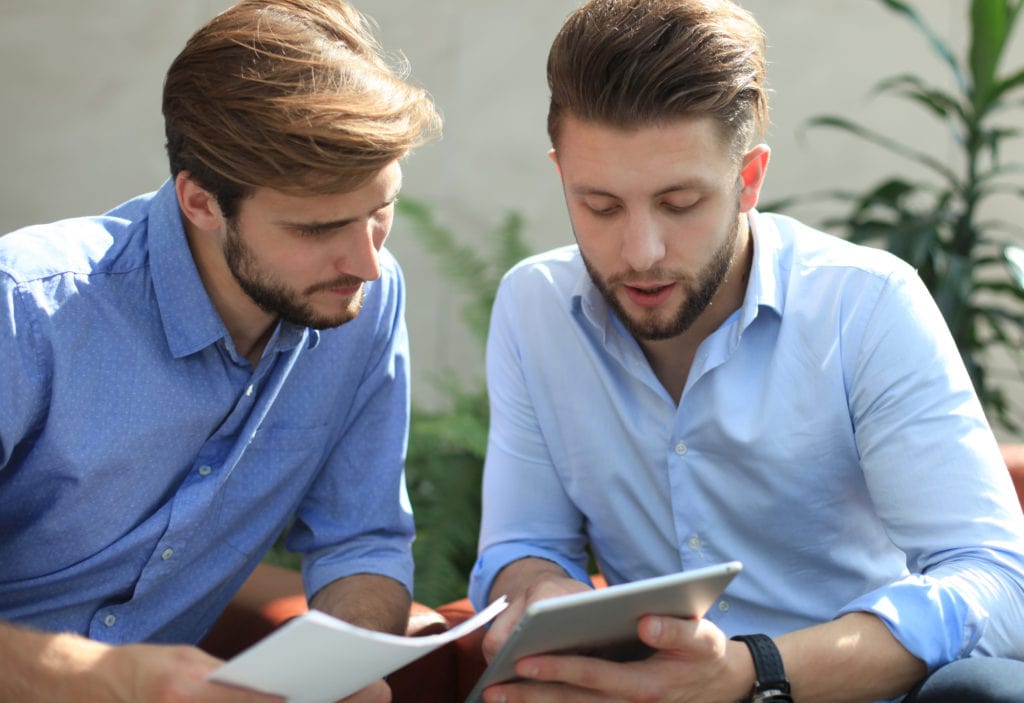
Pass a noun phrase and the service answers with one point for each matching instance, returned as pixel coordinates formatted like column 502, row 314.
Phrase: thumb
column 662, row 632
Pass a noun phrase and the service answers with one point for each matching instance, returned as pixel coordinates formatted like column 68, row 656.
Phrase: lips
column 649, row 296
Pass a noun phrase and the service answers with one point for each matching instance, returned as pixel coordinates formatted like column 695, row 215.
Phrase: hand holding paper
column 316, row 658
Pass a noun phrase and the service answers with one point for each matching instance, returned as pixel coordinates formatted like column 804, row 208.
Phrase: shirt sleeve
column 356, row 517
column 23, row 364
column 526, row 511
column 938, row 482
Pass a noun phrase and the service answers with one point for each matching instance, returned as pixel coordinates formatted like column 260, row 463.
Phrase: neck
column 248, row 324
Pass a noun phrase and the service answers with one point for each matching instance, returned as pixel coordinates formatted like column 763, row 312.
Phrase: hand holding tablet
column 602, row 623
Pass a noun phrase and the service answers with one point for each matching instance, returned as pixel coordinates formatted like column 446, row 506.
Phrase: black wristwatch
column 771, row 685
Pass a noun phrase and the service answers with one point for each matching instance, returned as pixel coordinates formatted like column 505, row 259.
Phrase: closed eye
column 680, row 208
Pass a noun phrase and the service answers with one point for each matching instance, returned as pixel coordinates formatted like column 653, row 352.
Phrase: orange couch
column 272, row 595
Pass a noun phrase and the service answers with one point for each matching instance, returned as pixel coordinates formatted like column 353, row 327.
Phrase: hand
column 694, row 663
column 376, row 692
column 549, row 586
column 168, row 674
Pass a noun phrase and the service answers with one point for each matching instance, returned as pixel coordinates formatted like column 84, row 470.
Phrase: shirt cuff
column 324, row 570
column 934, row 621
column 497, row 557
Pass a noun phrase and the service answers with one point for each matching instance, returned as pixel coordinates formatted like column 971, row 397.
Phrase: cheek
column 381, row 229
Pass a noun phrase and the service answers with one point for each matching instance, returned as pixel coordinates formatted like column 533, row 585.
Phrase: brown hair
column 294, row 95
column 631, row 63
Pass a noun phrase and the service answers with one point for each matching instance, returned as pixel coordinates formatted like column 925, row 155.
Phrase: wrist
column 770, row 682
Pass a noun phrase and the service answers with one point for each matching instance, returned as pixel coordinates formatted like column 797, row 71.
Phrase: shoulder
column 804, row 249
column 81, row 246
column 554, row 273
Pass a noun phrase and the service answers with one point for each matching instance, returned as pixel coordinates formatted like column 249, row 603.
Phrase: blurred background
column 81, row 131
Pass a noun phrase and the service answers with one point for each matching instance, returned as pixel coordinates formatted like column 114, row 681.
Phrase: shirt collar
column 763, row 288
column 190, row 321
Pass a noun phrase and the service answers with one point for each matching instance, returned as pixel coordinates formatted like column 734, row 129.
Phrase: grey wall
column 80, row 128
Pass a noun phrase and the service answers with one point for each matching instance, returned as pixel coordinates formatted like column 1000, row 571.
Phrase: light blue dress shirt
column 828, row 437
column 146, row 467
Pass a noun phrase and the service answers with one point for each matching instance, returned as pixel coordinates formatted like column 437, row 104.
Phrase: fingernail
column 654, row 629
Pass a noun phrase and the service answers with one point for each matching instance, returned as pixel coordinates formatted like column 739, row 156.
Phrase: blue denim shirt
column 828, row 437
column 146, row 467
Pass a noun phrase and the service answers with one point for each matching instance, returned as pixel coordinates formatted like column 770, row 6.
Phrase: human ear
column 752, row 172
column 553, row 155
column 198, row 205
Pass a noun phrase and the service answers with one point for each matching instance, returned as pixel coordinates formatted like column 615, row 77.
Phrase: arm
column 355, row 519
column 854, row 658
column 938, row 484
column 526, row 514
column 850, row 660
column 367, row 600
column 524, row 582
column 53, row 668
column 370, row 601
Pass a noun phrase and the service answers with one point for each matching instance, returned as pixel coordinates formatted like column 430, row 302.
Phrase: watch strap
column 771, row 685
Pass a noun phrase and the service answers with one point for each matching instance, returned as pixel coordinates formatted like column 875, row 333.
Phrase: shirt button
column 248, row 391
column 167, row 554
column 110, row 620
column 205, row 470
column 680, row 449
column 694, row 542
column 723, row 605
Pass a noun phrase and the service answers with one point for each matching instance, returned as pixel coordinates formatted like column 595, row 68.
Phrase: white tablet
column 602, row 622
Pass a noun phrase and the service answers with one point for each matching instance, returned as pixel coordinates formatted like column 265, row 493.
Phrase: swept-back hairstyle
column 294, row 95
column 634, row 63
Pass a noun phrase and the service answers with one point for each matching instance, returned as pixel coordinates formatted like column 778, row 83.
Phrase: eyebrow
column 328, row 225
column 693, row 184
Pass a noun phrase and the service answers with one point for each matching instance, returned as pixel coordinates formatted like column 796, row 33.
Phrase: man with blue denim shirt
column 185, row 374
column 695, row 382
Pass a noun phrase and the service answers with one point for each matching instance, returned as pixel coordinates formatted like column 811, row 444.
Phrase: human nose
column 642, row 243
column 361, row 256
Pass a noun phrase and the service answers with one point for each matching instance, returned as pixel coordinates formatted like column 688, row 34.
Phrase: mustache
column 630, row 278
column 340, row 282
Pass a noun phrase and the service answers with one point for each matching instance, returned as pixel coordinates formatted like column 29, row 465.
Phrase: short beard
column 276, row 298
column 698, row 294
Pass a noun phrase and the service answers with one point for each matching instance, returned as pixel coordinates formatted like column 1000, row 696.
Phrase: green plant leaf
column 938, row 45
column 1002, row 88
column 990, row 26
column 942, row 104
column 886, row 143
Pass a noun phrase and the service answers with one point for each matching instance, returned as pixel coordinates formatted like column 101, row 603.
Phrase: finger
column 502, row 627
column 600, row 679
column 533, row 692
column 376, row 692
column 690, row 638
column 219, row 693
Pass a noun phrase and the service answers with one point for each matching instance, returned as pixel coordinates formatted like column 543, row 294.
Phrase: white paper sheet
column 316, row 658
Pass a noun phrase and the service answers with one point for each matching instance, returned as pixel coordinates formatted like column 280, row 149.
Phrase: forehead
column 597, row 156
column 380, row 188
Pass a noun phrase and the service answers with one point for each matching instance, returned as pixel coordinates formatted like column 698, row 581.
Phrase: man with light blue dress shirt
column 695, row 382
column 185, row 375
